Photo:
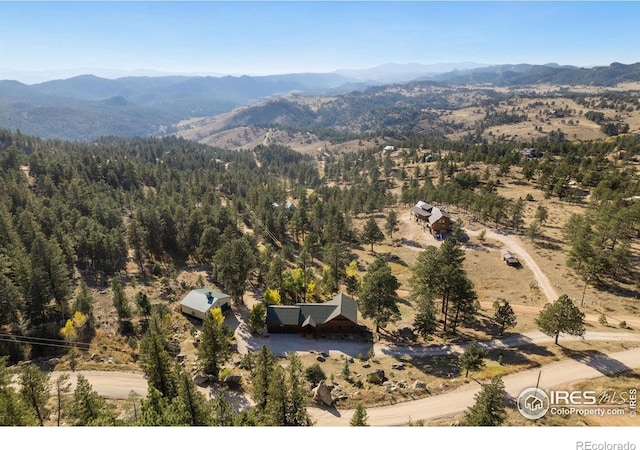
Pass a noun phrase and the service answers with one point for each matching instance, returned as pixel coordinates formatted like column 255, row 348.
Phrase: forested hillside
column 108, row 215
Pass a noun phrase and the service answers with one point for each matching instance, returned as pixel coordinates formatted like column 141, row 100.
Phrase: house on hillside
column 438, row 221
column 199, row 302
column 421, row 211
column 532, row 153
column 338, row 315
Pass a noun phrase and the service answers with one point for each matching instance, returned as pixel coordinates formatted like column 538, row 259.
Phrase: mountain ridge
column 86, row 106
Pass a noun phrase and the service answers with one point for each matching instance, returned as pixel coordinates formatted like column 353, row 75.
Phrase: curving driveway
column 511, row 243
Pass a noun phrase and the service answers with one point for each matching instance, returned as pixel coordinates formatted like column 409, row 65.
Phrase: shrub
column 374, row 378
column 623, row 324
column 224, row 373
column 248, row 361
column 602, row 319
column 314, row 374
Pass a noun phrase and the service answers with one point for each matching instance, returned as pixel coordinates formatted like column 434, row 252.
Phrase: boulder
column 376, row 377
column 418, row 385
column 180, row 357
column 322, row 394
column 200, row 378
column 397, row 366
column 320, row 358
column 53, row 362
column 339, row 394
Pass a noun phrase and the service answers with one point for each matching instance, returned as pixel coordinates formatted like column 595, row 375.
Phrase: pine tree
column 144, row 304
column 190, row 404
column 34, row 388
column 391, row 223
column 50, row 278
column 504, row 315
column 297, row 414
column 87, row 407
column 62, row 388
column 222, row 409
column 425, row 320
column 14, row 411
column 275, row 412
column 120, row 301
column 234, row 262
column 84, row 301
column 155, row 359
column 214, row 348
column 154, row 410
column 542, row 214
column 264, row 364
column 359, row 418
column 561, row 316
column 371, row 233
column 472, row 358
column 489, row 409
column 378, row 296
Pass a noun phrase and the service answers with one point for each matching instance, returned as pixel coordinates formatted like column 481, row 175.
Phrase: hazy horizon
column 263, row 38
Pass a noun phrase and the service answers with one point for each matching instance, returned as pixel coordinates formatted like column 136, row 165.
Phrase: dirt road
column 511, row 243
column 118, row 385
column 453, row 403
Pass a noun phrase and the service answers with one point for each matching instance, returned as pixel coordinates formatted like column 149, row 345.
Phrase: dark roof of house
column 313, row 314
column 420, row 212
column 426, row 206
column 283, row 315
column 345, row 306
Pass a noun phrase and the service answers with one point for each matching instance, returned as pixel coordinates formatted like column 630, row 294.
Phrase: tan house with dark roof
column 436, row 219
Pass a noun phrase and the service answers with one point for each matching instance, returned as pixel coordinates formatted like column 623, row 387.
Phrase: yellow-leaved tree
column 70, row 332
column 271, row 297
column 217, row 315
column 71, row 329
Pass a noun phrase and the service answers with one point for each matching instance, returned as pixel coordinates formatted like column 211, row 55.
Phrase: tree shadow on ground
column 239, row 398
column 597, row 360
column 410, row 243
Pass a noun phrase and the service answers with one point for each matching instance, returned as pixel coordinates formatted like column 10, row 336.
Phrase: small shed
column 199, row 302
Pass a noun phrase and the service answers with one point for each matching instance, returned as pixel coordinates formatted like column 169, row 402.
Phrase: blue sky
column 285, row 37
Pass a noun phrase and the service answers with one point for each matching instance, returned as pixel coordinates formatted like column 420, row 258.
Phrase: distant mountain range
column 86, row 107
